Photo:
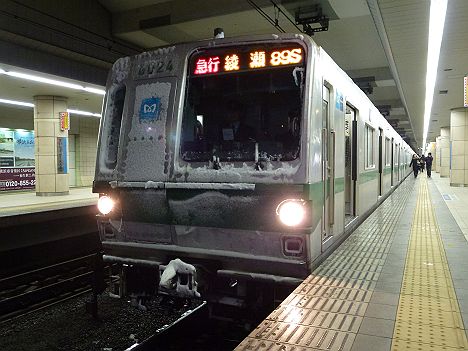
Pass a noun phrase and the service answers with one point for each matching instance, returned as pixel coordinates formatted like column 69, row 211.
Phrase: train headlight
column 291, row 212
column 105, row 204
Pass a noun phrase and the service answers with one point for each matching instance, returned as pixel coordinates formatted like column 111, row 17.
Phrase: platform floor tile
column 428, row 316
column 333, row 308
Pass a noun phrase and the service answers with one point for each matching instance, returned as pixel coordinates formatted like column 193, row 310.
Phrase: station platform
column 398, row 282
column 25, row 202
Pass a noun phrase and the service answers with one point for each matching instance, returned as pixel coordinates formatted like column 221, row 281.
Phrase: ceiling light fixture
column 94, row 90
column 29, row 104
column 18, row 103
column 52, row 82
column 83, row 113
column 436, row 30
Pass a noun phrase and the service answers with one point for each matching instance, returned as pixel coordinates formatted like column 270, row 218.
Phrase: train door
column 391, row 164
column 328, row 169
column 350, row 130
column 380, row 167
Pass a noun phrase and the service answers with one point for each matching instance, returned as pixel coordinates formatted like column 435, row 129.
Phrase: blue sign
column 339, row 101
column 149, row 109
column 62, row 162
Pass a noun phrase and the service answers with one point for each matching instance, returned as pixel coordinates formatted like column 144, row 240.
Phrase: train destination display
column 235, row 60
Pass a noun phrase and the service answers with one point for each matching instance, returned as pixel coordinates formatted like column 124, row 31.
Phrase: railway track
column 35, row 289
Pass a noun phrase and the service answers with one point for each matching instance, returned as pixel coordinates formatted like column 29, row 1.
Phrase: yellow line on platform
column 428, row 316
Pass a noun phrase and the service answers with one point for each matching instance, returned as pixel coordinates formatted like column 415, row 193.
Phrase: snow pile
column 120, row 70
column 171, row 281
column 280, row 172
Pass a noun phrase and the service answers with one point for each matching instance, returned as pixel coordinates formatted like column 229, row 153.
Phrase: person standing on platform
column 415, row 163
column 429, row 159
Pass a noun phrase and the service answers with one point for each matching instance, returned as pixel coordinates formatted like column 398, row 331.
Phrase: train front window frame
column 246, row 115
column 115, row 110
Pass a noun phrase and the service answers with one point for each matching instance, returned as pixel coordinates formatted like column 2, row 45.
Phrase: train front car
column 203, row 157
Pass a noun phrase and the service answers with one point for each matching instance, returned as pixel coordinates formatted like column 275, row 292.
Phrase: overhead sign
column 244, row 58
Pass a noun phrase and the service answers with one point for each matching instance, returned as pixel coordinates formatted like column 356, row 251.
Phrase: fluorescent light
column 19, row 103
column 95, row 91
column 52, row 82
column 83, row 113
column 436, row 30
column 43, row 80
column 29, row 104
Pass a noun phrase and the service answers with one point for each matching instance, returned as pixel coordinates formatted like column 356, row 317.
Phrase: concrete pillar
column 459, row 147
column 51, row 146
column 444, row 154
column 436, row 164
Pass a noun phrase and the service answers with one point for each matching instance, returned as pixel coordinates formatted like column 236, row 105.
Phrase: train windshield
column 244, row 104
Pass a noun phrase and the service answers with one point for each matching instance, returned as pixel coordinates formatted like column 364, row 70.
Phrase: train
column 229, row 168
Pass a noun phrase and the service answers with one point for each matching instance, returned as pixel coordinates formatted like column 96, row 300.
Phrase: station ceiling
column 381, row 44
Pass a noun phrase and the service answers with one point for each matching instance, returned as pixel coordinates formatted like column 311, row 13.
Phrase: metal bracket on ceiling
column 312, row 20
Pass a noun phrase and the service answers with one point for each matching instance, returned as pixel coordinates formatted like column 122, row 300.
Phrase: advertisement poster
column 17, row 159
column 17, row 178
column 6, row 143
column 24, row 148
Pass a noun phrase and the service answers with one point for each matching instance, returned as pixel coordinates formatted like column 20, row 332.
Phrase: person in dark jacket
column 429, row 159
column 422, row 163
column 415, row 163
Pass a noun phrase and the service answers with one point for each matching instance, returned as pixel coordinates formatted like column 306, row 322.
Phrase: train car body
column 249, row 158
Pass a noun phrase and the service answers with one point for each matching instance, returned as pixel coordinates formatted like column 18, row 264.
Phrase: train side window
column 115, row 122
column 369, row 147
column 325, row 102
column 388, row 150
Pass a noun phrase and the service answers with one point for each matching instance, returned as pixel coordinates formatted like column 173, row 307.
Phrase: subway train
column 230, row 168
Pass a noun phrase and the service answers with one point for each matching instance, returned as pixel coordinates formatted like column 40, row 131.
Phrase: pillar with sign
column 51, row 124
column 432, row 150
column 459, row 147
column 436, row 155
column 444, row 154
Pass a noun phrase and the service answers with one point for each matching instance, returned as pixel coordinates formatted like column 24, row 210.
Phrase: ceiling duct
column 384, row 110
column 393, row 123
column 155, row 22
column 366, row 84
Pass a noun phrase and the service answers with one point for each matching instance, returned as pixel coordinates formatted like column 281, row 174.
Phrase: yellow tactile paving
column 410, row 301
column 428, row 316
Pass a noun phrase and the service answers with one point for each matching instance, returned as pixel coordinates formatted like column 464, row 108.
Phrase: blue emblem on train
column 149, row 109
